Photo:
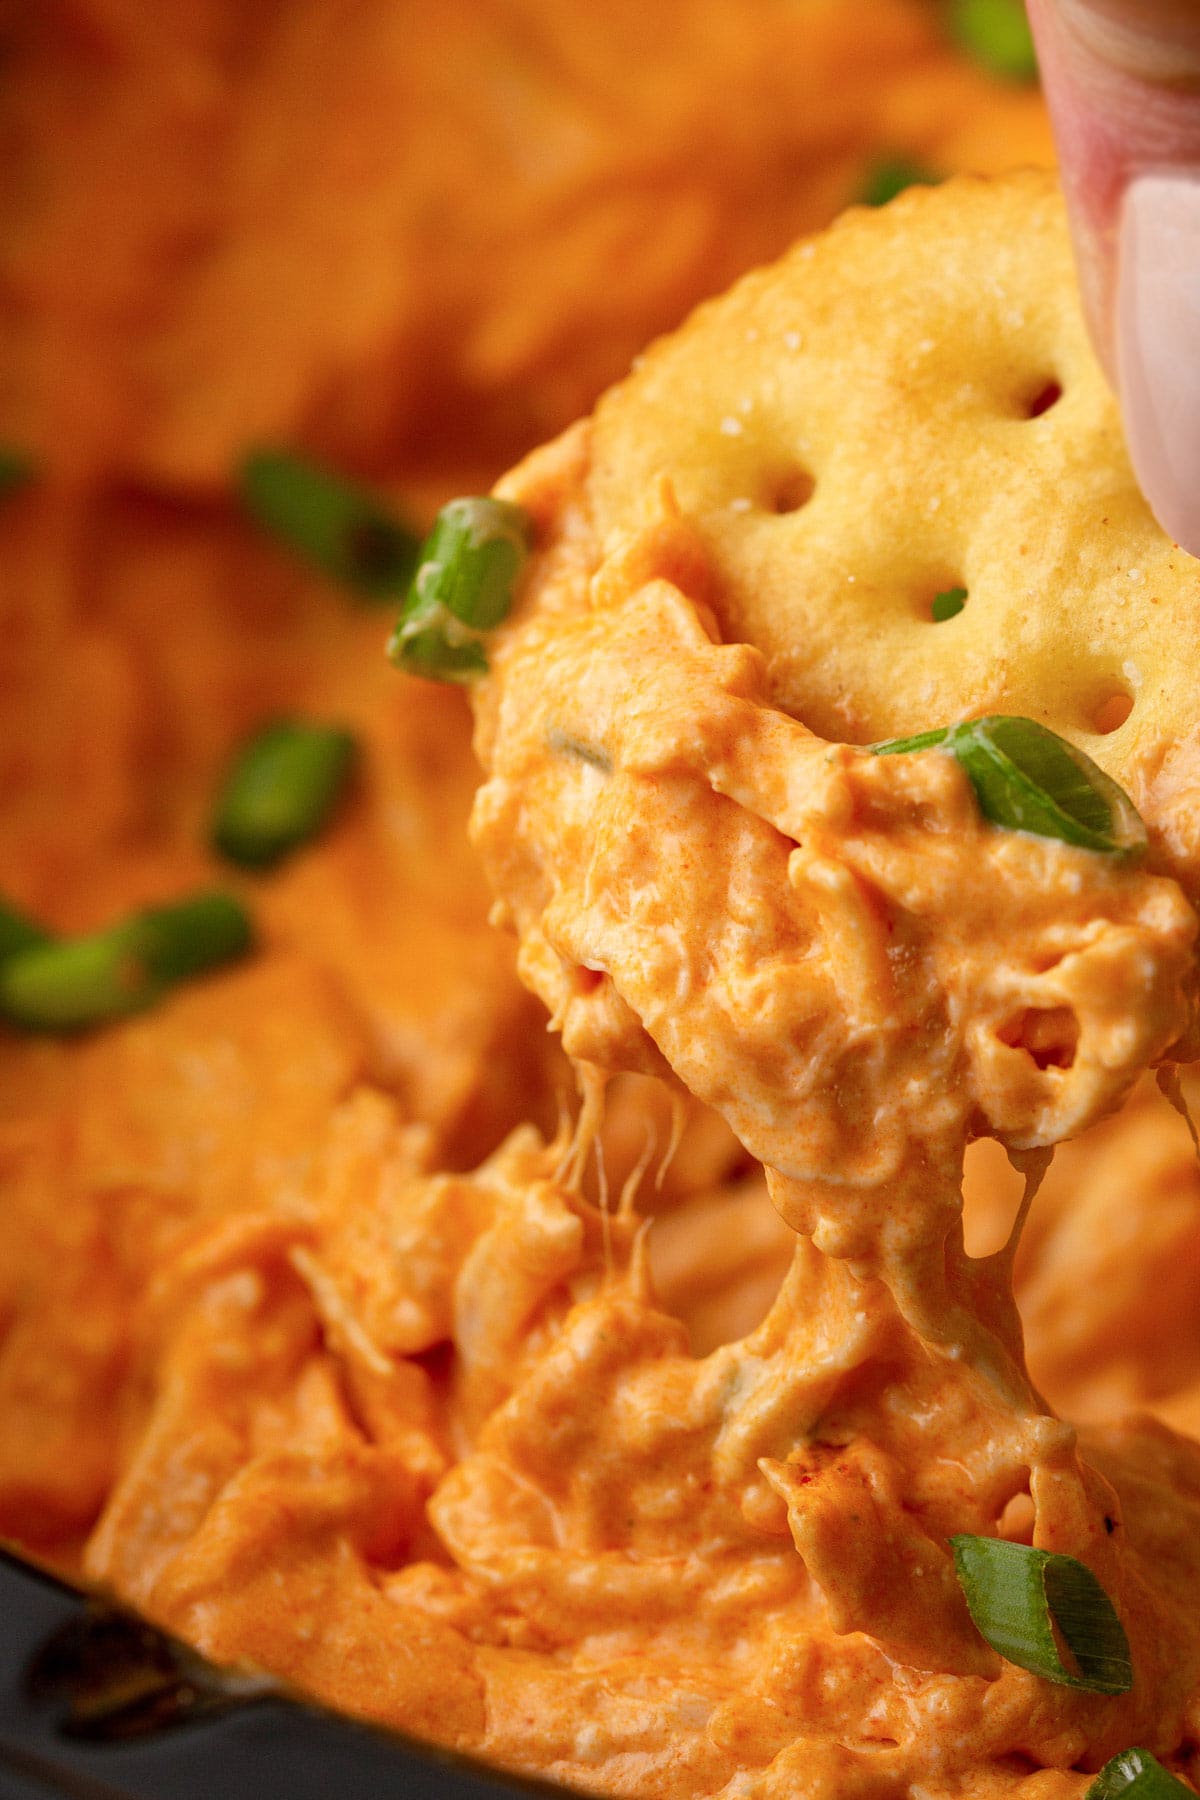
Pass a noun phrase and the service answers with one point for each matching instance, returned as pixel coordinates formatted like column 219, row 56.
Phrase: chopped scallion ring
column 431, row 653
column 996, row 33
column 333, row 523
column 1046, row 1613
column 1026, row 778
column 889, row 177
column 107, row 975
column 463, row 588
column 18, row 932
column 16, row 470
column 192, row 936
column 564, row 743
column 281, row 790
column 1136, row 1775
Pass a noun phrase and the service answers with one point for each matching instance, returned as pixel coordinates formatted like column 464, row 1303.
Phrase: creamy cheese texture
column 624, row 1452
column 833, row 949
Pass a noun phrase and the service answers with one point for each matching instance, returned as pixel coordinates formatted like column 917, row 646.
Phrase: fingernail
column 1158, row 345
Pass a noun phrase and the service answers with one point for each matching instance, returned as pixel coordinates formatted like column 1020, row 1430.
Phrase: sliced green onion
column 19, row 932
column 1046, row 1613
column 16, row 470
column 925, row 740
column 563, row 743
column 1029, row 779
column 1136, row 1775
column 948, row 605
column 1026, row 778
column 342, row 528
column 996, row 33
column 188, row 938
column 79, row 982
column 890, row 176
column 281, row 790
column 463, row 588
column 92, row 980
column 431, row 653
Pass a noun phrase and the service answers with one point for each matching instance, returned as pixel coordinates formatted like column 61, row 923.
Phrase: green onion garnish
column 890, row 176
column 342, row 528
column 996, row 33
column 192, row 936
column 948, row 605
column 92, row 980
column 1136, row 1775
column 431, row 654
column 463, row 588
column 1046, row 1613
column 16, row 470
column 18, row 932
column 1026, row 778
column 280, row 791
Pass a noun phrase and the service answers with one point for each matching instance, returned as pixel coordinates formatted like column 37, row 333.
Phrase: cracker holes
column 789, row 491
column 1046, row 395
column 1111, row 712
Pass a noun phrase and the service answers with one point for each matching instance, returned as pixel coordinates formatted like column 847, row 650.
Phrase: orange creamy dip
column 467, row 1452
column 836, row 953
column 429, row 1444
column 420, row 239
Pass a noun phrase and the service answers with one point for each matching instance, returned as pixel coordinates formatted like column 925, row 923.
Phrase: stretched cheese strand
column 838, row 954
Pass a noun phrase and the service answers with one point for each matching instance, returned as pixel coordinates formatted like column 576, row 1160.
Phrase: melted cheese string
column 837, row 953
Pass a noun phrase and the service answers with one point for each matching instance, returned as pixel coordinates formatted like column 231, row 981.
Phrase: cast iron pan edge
column 97, row 1705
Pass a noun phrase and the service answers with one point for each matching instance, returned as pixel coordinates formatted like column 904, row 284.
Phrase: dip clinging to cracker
column 875, row 493
column 742, row 583
column 908, row 406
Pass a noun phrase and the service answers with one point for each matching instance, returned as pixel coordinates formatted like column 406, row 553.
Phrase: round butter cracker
column 734, row 586
column 906, row 406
